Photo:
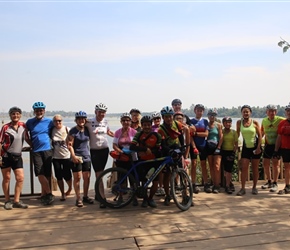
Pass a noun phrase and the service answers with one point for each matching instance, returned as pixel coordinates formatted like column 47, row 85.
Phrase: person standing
column 78, row 145
column 171, row 132
column 229, row 149
column 251, row 151
column 61, row 156
column 136, row 118
column 176, row 105
column 39, row 128
column 213, row 148
column 282, row 148
column 12, row 136
column 99, row 148
column 269, row 129
column 199, row 136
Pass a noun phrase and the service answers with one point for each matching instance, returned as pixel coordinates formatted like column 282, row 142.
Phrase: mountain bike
column 126, row 184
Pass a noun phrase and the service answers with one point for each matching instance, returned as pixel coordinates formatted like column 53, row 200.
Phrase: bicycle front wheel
column 181, row 189
column 118, row 191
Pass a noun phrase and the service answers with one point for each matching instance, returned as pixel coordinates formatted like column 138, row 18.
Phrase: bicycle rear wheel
column 181, row 189
column 117, row 194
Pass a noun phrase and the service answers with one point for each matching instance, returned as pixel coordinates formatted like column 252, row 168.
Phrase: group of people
column 73, row 151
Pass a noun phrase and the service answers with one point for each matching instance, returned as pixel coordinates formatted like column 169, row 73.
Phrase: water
column 114, row 124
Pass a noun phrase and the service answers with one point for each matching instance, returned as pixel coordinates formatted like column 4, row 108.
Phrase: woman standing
column 213, row 146
column 122, row 140
column 282, row 148
column 11, row 142
column 61, row 156
column 78, row 144
column 251, row 150
column 135, row 119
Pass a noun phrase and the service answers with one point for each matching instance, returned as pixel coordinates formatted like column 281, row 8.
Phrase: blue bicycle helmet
column 81, row 114
column 38, row 105
column 167, row 111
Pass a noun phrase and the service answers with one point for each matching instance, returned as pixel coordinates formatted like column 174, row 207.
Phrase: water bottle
column 150, row 172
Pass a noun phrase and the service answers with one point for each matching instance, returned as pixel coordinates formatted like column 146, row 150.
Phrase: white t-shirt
column 60, row 150
column 98, row 133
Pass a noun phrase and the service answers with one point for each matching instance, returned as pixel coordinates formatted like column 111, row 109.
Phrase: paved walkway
column 215, row 222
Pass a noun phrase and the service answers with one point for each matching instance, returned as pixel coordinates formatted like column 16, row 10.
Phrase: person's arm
column 186, row 132
column 238, row 127
column 258, row 132
column 110, row 133
column 70, row 143
column 221, row 136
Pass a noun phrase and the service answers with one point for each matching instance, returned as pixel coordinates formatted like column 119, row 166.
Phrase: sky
column 72, row 55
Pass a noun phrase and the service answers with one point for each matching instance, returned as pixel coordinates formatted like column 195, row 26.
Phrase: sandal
column 79, row 203
column 88, row 200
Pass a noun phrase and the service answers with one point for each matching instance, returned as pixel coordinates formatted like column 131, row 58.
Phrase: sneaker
column 274, row 187
column 195, row 189
column 232, row 187
column 228, row 190
column 135, row 202
column 88, row 200
column 8, row 205
column 268, row 184
column 215, row 190
column 48, row 199
column 241, row 192
column 254, row 191
column 152, row 203
column 207, row 188
column 102, row 205
column 42, row 199
column 167, row 200
column 19, row 204
column 144, row 203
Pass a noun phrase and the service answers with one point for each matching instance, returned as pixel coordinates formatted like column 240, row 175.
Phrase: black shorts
column 62, row 169
column 202, row 154
column 227, row 164
column 285, row 153
column 8, row 162
column 42, row 163
column 99, row 158
column 268, row 151
column 248, row 153
column 81, row 167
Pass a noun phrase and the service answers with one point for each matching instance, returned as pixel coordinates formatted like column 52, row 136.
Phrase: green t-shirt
column 270, row 129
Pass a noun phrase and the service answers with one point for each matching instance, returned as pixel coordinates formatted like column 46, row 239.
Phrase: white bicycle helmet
column 101, row 107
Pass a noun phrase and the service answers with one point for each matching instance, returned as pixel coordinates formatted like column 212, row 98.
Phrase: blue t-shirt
column 201, row 125
column 39, row 131
column 81, row 143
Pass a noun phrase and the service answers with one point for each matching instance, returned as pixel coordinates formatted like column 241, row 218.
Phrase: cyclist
column 12, row 137
column 282, row 147
column 156, row 116
column 122, row 140
column 78, row 144
column 199, row 136
column 213, row 149
column 251, row 150
column 39, row 128
column 61, row 156
column 147, row 144
column 99, row 148
column 172, row 136
column 229, row 148
column 269, row 129
column 135, row 119
column 176, row 105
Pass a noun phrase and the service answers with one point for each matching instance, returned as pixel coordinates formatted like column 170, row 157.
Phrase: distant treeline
column 258, row 112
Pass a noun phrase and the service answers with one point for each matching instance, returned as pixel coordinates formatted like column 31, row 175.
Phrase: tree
column 284, row 44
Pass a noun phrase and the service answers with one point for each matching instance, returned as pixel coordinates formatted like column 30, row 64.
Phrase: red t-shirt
column 284, row 132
